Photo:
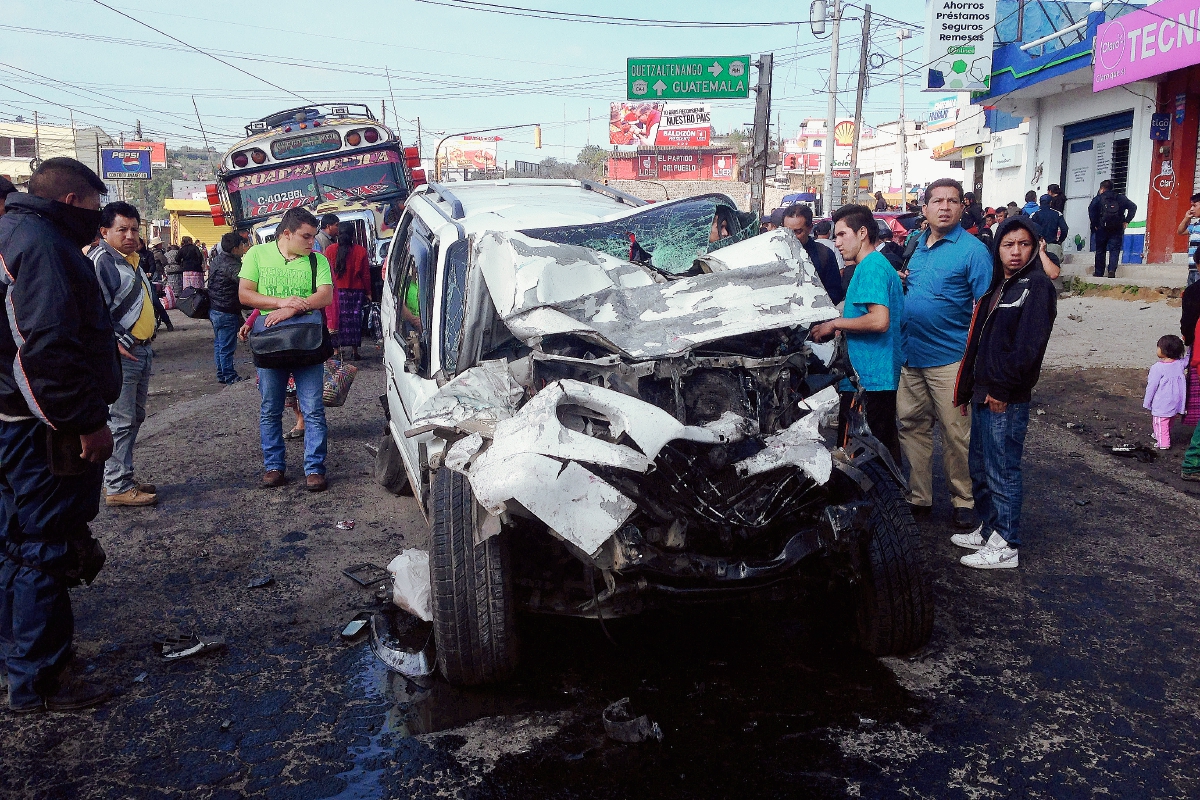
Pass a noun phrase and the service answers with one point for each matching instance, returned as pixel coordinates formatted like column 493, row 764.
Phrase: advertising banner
column 1145, row 43
column 958, row 45
column 158, row 151
column 468, row 153
column 120, row 163
column 677, row 165
column 943, row 113
column 660, row 124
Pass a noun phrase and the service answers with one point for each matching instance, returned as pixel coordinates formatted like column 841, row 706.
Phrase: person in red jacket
column 352, row 278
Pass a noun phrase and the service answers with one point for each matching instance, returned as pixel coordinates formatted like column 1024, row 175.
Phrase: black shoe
column 963, row 518
column 75, row 693
column 1097, row 274
column 920, row 511
column 1112, row 275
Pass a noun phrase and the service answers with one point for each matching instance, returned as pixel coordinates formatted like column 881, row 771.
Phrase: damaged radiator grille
column 685, row 486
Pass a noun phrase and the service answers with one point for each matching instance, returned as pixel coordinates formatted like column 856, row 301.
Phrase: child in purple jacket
column 1166, row 388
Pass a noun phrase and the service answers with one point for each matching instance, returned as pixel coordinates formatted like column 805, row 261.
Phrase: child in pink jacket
column 1166, row 388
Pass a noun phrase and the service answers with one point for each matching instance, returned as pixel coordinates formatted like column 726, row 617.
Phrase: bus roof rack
column 616, row 194
column 315, row 111
column 445, row 194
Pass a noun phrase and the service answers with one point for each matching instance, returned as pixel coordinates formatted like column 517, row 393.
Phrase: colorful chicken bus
column 332, row 159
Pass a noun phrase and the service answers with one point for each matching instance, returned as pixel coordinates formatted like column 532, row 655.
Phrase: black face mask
column 80, row 224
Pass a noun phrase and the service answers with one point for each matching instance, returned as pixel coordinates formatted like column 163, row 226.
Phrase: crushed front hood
column 541, row 288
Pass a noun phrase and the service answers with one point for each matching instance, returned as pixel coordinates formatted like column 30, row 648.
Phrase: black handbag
column 300, row 341
column 193, row 302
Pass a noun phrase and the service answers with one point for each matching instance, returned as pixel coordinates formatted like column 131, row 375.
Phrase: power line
column 198, row 50
column 600, row 19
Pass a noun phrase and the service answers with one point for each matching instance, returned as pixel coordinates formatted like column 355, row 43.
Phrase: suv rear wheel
column 473, row 620
column 894, row 608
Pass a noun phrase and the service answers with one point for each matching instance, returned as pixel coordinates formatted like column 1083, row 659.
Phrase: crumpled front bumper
column 555, row 472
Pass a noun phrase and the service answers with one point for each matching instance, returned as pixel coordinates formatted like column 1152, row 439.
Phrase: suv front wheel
column 473, row 616
column 894, row 609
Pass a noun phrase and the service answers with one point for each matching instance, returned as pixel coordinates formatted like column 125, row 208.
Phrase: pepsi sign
column 124, row 164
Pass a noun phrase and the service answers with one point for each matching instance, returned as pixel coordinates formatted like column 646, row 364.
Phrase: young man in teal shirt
column 871, row 320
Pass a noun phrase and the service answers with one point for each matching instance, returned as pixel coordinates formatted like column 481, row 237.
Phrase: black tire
column 473, row 615
column 389, row 466
column 894, row 601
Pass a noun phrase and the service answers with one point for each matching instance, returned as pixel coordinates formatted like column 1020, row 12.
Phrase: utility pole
column 903, row 34
column 418, row 132
column 37, row 141
column 831, row 113
column 852, row 195
column 762, row 134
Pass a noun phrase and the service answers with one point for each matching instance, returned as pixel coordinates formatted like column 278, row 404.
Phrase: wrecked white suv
column 602, row 404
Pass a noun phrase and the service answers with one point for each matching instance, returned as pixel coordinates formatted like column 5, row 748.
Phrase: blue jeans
column 225, row 328
column 39, row 511
column 310, row 386
column 125, row 418
column 997, row 442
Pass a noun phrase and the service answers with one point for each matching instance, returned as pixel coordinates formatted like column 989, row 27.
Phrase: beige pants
column 925, row 395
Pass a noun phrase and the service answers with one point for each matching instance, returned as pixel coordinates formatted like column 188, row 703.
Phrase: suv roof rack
column 445, row 194
column 616, row 194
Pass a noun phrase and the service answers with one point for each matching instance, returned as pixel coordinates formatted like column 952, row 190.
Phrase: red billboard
column 660, row 124
column 158, row 151
column 674, row 165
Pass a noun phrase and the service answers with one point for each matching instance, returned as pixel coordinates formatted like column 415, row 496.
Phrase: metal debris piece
column 1139, row 451
column 141, row 678
column 1041, row 412
column 345, row 525
column 1082, row 501
column 226, row 724
column 403, row 643
column 260, row 581
column 619, row 725
column 356, row 626
column 175, row 647
column 366, row 574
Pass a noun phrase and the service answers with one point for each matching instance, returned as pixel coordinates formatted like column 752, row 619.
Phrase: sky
column 453, row 67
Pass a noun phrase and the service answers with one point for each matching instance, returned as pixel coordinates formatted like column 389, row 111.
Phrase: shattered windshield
column 668, row 237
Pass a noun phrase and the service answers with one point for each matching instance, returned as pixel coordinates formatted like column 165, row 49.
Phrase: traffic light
column 537, row 137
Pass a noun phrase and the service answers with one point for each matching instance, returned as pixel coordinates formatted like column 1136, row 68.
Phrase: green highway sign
column 696, row 78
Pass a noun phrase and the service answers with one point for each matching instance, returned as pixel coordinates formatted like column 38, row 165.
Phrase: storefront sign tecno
column 1145, row 43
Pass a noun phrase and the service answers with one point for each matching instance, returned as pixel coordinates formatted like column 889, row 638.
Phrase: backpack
column 1112, row 216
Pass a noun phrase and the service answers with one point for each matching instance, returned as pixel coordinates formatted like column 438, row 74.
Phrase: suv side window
column 454, row 292
column 414, row 300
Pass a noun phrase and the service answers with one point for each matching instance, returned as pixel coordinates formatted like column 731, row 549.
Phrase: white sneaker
column 995, row 554
column 971, row 541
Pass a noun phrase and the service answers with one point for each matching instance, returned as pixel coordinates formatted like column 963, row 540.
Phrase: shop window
column 5, row 147
column 24, row 148
column 956, row 165
column 1120, row 165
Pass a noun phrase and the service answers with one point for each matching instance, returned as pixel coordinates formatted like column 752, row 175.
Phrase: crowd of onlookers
column 942, row 330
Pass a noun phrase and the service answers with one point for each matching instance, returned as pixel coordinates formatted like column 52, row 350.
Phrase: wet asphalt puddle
column 752, row 700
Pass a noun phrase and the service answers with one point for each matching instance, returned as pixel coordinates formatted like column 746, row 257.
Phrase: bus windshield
column 357, row 176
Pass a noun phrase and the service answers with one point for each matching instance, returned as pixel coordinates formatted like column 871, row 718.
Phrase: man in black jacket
column 798, row 218
column 1009, row 333
column 1109, row 214
column 59, row 371
column 225, row 310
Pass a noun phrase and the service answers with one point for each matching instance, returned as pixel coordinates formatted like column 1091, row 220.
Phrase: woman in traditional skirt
column 352, row 281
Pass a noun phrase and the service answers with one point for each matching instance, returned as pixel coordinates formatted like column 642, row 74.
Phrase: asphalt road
column 1074, row 676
